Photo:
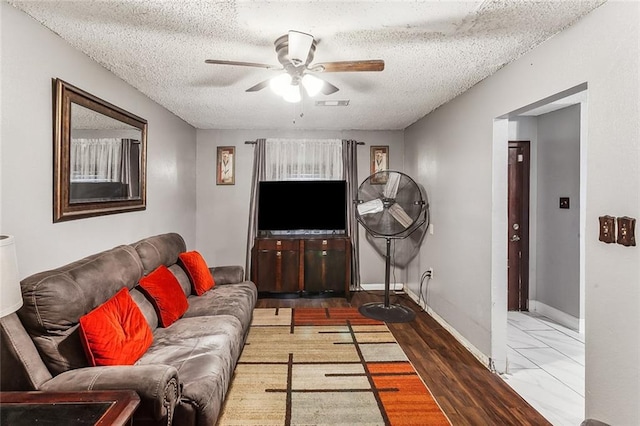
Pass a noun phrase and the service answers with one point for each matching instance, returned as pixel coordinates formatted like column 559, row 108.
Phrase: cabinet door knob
column 324, row 242
column 278, row 242
column 278, row 253
column 324, row 252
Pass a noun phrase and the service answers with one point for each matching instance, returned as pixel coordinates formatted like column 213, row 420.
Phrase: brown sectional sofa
column 183, row 377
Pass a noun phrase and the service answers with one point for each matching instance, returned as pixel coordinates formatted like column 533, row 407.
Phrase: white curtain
column 297, row 159
column 96, row 159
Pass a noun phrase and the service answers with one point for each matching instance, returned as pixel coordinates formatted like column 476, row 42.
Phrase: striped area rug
column 317, row 366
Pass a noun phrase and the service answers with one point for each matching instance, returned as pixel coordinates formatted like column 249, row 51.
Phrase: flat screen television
column 303, row 206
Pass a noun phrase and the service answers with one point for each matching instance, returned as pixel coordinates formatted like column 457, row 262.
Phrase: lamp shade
column 10, row 293
column 280, row 84
column 312, row 84
column 292, row 94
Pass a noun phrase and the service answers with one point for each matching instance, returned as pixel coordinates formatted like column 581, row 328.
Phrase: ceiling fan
column 295, row 52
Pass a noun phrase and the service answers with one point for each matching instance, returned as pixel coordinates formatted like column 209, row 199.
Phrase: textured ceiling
column 433, row 51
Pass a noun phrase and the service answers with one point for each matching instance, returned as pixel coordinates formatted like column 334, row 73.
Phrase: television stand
column 302, row 266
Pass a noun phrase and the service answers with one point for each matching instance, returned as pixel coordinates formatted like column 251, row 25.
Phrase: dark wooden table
column 90, row 408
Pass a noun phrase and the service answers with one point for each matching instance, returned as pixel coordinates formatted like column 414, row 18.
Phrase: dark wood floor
column 466, row 390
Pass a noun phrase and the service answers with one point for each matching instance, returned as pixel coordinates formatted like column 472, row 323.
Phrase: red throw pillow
column 116, row 332
column 198, row 271
column 166, row 295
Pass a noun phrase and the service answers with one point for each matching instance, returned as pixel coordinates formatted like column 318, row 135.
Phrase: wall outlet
column 430, row 273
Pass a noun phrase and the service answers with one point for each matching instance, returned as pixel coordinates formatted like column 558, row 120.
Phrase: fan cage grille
column 390, row 204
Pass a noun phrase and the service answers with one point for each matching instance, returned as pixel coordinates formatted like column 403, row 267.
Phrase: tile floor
column 546, row 367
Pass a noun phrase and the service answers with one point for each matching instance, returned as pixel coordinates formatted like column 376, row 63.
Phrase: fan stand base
column 390, row 313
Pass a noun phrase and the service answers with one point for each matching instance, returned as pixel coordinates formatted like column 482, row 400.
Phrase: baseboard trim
column 485, row 360
column 380, row 287
column 557, row 315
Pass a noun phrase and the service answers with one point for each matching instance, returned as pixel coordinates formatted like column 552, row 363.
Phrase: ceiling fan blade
column 258, row 86
column 350, row 66
column 400, row 215
column 240, row 64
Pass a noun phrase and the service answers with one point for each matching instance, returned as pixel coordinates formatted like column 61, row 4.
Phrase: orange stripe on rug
column 411, row 403
column 390, row 368
column 332, row 316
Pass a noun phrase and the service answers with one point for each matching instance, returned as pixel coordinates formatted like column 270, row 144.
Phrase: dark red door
column 518, row 233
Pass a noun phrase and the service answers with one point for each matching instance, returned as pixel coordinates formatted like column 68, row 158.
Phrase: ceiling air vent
column 332, row 103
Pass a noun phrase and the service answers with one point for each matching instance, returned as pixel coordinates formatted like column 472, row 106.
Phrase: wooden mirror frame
column 64, row 96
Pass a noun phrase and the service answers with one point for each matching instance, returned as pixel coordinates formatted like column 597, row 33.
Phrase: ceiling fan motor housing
column 290, row 62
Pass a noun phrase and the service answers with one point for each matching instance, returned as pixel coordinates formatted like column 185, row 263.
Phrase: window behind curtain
column 304, row 159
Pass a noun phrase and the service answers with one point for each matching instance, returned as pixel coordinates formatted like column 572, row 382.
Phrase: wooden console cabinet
column 306, row 266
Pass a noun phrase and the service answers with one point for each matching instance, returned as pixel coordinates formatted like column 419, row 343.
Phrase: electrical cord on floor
column 426, row 274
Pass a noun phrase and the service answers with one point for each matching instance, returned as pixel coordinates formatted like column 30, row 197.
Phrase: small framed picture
column 379, row 162
column 226, row 173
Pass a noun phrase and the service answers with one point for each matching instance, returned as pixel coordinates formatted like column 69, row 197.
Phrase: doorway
column 549, row 283
column 518, row 226
column 522, row 125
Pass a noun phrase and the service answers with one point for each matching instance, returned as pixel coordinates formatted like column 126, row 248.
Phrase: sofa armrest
column 227, row 274
column 157, row 385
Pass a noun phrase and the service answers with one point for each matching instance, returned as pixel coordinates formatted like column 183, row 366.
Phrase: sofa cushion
column 146, row 307
column 227, row 274
column 182, row 278
column 159, row 250
column 237, row 300
column 116, row 332
column 204, row 350
column 165, row 294
column 198, row 272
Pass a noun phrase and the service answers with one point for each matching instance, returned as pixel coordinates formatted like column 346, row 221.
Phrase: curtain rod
column 254, row 142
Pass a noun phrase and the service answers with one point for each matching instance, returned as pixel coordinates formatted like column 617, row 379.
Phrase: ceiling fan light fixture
column 299, row 46
column 312, row 84
column 280, row 84
column 292, row 94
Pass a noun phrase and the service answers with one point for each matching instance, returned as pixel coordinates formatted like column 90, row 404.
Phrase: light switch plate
column 627, row 231
column 607, row 229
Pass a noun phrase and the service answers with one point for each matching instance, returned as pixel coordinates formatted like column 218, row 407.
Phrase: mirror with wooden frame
column 99, row 161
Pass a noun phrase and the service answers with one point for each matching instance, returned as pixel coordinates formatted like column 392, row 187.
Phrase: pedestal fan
column 390, row 205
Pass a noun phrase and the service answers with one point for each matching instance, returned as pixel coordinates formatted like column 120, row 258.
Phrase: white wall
column 558, row 230
column 451, row 151
column 223, row 211
column 31, row 57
